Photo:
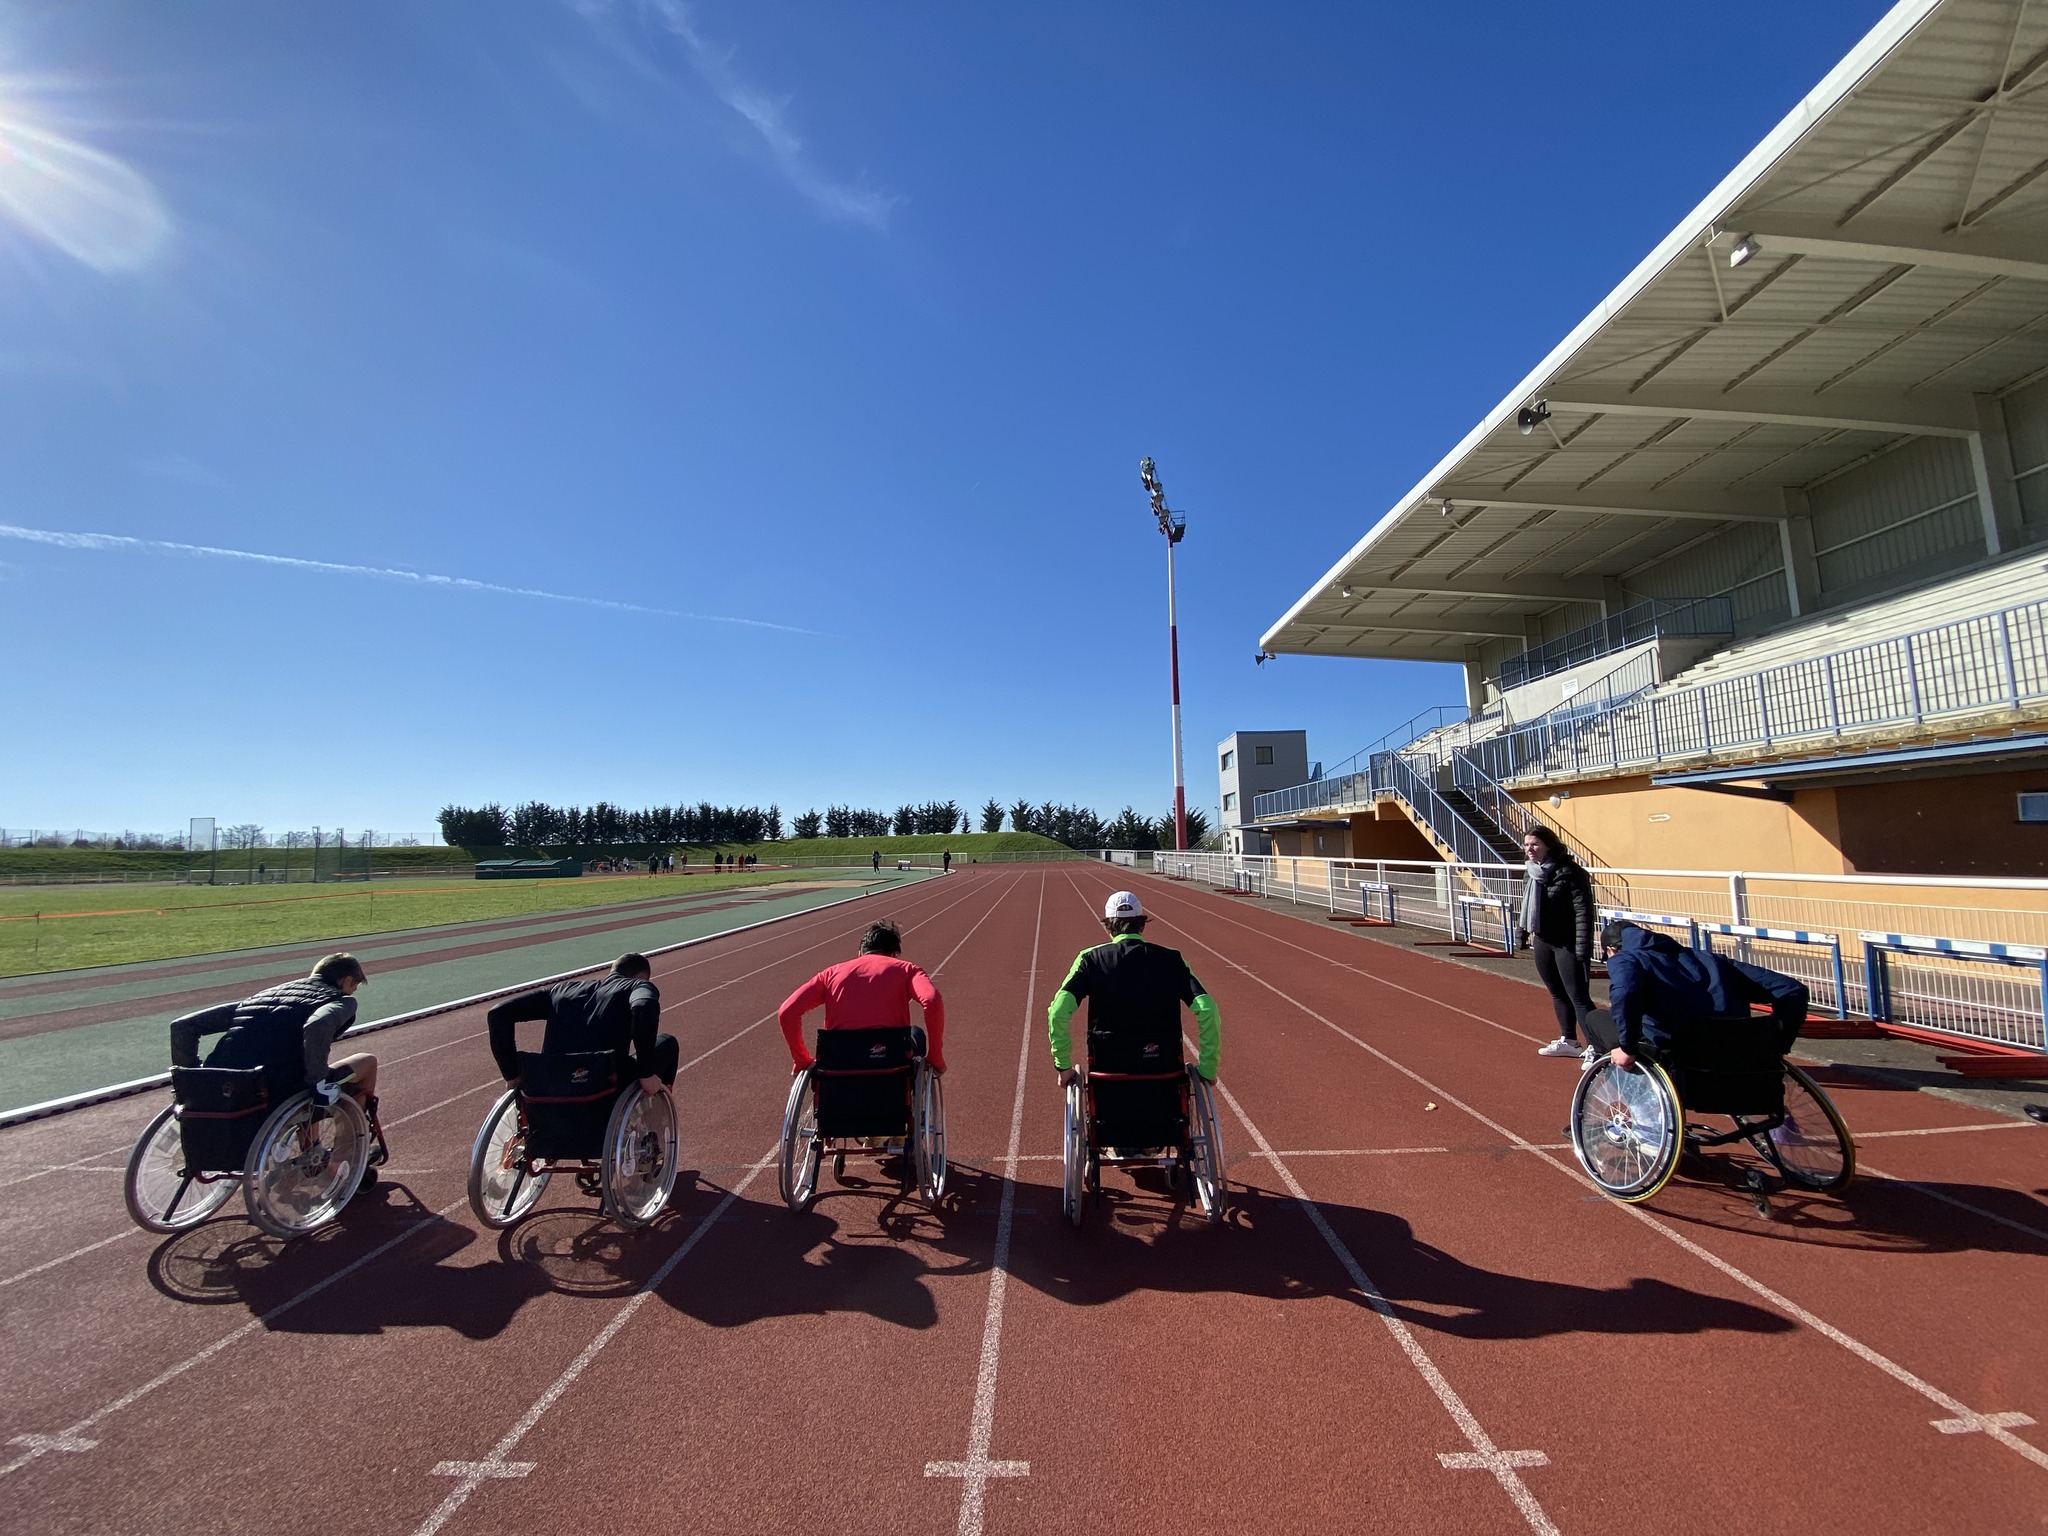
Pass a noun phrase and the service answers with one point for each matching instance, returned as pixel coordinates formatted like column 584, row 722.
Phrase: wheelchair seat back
column 1729, row 1066
column 863, row 1081
column 568, row 1101
column 1145, row 1113
column 220, row 1110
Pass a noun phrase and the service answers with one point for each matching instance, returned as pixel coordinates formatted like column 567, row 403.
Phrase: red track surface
column 1456, row 1335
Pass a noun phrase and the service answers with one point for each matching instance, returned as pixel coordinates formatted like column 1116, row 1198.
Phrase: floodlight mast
column 1175, row 528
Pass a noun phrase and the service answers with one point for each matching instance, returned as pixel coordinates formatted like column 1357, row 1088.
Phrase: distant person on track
column 620, row 1013
column 1557, row 919
column 1134, row 990
column 946, row 862
column 878, row 861
column 873, row 991
column 288, row 1031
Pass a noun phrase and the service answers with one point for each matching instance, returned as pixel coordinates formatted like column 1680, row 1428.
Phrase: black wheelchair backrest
column 864, row 1081
column 864, row 1050
column 220, row 1109
column 568, row 1099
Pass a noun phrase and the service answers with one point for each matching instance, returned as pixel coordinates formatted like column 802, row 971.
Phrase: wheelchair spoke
column 1812, row 1148
column 162, row 1194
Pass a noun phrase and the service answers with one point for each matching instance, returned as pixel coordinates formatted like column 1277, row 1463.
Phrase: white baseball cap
column 1123, row 904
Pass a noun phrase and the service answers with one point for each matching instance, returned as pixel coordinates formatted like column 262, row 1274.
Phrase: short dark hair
column 335, row 967
column 1124, row 924
column 1612, row 930
column 883, row 938
column 632, row 963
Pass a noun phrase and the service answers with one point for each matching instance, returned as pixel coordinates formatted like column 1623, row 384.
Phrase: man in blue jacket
column 1658, row 989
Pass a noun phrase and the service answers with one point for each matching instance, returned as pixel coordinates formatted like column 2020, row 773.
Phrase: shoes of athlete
column 1787, row 1135
column 1587, row 1057
column 1559, row 1047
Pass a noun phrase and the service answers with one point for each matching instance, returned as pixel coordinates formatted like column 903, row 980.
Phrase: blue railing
column 1617, row 632
column 1991, row 661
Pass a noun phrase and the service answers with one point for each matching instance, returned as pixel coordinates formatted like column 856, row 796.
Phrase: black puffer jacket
column 1564, row 906
column 271, row 1030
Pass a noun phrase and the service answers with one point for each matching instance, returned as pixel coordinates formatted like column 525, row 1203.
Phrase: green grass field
column 198, row 920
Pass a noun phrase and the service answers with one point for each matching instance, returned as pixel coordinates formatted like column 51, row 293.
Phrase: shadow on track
column 1136, row 1241
column 1872, row 1215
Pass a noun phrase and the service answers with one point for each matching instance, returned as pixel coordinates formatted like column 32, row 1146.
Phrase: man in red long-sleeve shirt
column 872, row 992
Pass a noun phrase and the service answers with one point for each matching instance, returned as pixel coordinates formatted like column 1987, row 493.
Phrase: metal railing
column 1705, row 616
column 1990, row 661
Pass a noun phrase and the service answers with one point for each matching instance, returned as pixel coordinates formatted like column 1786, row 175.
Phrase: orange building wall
column 1967, row 825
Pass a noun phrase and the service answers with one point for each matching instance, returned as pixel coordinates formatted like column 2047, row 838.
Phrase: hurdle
column 1368, row 890
column 1462, row 939
column 1243, row 882
column 1989, row 1057
column 1842, row 1027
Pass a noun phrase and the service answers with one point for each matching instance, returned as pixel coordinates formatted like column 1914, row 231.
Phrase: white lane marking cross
column 1495, row 1462
column 1982, row 1423
column 977, row 1469
column 43, row 1444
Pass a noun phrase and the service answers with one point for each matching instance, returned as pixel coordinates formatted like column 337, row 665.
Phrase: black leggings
column 1565, row 974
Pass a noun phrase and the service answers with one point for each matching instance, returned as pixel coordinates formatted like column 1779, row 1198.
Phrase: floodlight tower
column 1175, row 528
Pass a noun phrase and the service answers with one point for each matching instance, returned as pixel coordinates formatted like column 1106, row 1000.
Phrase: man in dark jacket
column 1658, row 989
column 620, row 1013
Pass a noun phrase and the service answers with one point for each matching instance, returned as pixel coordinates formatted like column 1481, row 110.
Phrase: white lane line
column 1948, row 1199
column 1948, row 1130
column 1972, row 1420
column 472, row 1475
column 975, row 1469
column 76, row 1253
column 454, row 1098
column 1484, row 1455
column 73, row 1439
column 40, row 1173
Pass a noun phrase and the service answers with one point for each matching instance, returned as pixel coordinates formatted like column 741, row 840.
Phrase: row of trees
column 537, row 825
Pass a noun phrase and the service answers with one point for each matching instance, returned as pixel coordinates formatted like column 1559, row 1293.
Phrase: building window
column 1230, row 802
column 2034, row 806
column 1228, row 759
column 1262, row 757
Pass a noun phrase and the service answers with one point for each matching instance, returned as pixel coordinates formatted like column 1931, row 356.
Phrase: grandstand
column 1752, row 570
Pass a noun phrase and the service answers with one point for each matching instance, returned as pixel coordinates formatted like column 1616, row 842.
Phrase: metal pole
column 1180, row 799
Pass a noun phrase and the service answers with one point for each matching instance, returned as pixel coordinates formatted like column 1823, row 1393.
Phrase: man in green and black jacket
column 1134, row 991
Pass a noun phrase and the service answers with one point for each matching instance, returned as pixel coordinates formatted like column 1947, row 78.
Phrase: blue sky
column 809, row 350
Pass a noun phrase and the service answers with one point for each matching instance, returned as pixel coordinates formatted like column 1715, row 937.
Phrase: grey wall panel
column 2026, row 424
column 1743, row 564
column 1917, row 485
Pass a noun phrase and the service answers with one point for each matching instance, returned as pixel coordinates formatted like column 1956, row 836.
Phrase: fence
column 1830, row 910
column 1992, row 661
column 1706, row 616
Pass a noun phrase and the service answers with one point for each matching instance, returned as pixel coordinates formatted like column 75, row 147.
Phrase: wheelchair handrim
column 1820, row 1154
column 1074, row 1156
column 160, row 1197
column 929, row 1137
column 306, row 1166
column 797, row 1169
column 1625, row 1149
column 640, row 1157
column 500, row 1192
column 1207, row 1138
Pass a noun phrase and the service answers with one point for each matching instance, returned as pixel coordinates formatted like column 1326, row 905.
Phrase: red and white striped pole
column 1175, row 528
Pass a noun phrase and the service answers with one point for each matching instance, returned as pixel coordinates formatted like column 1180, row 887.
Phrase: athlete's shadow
column 1268, row 1248
column 419, row 1281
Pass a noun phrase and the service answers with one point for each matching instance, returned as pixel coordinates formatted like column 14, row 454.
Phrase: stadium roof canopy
column 1892, row 234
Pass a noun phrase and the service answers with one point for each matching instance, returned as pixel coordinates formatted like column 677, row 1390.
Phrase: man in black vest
column 620, row 1013
column 287, row 1031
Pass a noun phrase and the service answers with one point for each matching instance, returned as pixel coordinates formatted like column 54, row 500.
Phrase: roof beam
column 1541, row 589
column 1493, row 627
column 1843, row 410
column 1632, row 504
column 1896, row 246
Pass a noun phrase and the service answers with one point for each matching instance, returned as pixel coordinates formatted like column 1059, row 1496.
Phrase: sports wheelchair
column 1171, row 1115
column 866, row 1085
column 1629, row 1128
column 297, row 1163
column 572, row 1113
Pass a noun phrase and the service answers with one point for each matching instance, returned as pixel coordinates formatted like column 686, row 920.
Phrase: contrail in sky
column 116, row 541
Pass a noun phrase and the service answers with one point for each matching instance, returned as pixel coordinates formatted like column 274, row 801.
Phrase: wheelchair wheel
column 1813, row 1148
column 1627, row 1128
column 1205, row 1135
column 305, row 1165
column 502, row 1186
column 928, row 1135
column 640, row 1156
column 161, row 1196
column 1074, row 1156
column 802, row 1151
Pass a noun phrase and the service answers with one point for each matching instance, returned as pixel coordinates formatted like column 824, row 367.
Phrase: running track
column 1417, row 1318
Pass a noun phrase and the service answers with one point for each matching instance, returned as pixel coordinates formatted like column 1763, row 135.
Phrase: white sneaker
column 1587, row 1057
column 1559, row 1047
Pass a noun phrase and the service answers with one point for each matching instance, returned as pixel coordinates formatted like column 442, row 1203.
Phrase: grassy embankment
column 202, row 919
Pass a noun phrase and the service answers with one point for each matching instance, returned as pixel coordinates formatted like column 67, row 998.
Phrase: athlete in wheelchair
column 873, row 1086
column 594, row 1100
column 264, row 1112
column 1681, row 1040
column 1137, row 1104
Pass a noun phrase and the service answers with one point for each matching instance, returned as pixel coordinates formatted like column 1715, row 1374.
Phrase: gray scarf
column 1532, row 895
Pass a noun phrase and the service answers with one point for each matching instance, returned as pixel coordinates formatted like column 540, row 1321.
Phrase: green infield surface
column 75, row 1031
column 67, row 927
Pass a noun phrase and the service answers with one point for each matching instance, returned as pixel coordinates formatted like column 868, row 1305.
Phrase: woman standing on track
column 1557, row 917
